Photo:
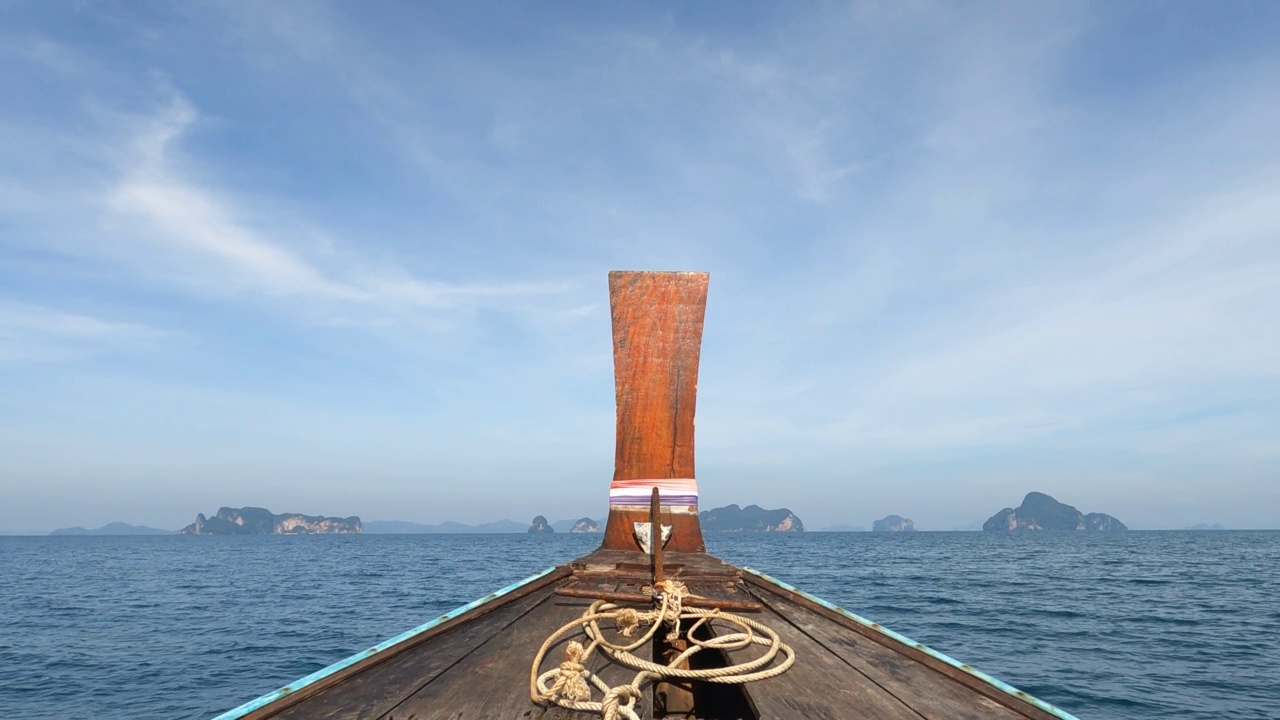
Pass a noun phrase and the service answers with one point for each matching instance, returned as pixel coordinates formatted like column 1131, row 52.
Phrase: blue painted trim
column 318, row 675
column 998, row 684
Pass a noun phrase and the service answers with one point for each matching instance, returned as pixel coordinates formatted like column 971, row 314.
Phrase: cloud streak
column 1018, row 243
column 206, row 233
column 34, row 333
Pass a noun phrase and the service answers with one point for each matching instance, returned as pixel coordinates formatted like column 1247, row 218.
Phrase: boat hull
column 474, row 662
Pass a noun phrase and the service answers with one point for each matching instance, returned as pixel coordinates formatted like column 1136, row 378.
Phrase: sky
column 351, row 258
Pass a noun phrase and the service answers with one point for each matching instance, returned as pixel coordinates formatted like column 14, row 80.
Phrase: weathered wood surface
column 934, row 689
column 657, row 337
column 701, row 595
column 820, row 686
column 676, row 564
column 479, row 666
column 374, row 694
column 927, row 693
column 493, row 681
column 370, row 669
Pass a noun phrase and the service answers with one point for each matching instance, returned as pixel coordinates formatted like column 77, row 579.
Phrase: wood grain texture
column 477, row 665
column 540, row 588
column 820, row 686
column 676, row 564
column 657, row 338
column 375, row 692
column 866, row 649
column 929, row 693
column 493, row 681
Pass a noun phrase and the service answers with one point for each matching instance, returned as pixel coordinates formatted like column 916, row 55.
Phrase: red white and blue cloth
column 671, row 491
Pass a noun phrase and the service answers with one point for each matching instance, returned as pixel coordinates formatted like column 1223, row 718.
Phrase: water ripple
column 1110, row 627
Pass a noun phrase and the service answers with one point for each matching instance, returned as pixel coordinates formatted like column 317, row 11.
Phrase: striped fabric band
column 671, row 491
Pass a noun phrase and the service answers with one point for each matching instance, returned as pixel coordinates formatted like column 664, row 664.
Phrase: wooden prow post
column 655, row 530
column 657, row 337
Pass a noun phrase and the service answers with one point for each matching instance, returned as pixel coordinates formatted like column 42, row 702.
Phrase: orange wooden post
column 657, row 337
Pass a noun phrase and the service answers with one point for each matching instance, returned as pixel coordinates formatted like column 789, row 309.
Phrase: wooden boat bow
column 657, row 339
column 474, row 663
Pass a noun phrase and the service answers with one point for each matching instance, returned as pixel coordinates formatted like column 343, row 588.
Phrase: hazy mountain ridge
column 114, row 528
column 392, row 527
column 385, row 527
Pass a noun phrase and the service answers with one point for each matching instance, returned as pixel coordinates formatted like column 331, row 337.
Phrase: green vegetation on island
column 751, row 518
column 1041, row 512
column 893, row 523
column 260, row 521
column 584, row 525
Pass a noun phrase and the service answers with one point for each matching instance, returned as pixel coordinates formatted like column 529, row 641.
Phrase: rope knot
column 619, row 703
column 675, row 589
column 672, row 592
column 571, row 683
column 627, row 621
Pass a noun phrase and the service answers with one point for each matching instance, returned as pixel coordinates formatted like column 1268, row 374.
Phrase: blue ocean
column 1108, row 627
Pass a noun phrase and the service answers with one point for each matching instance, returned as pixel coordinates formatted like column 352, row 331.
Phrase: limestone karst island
column 751, row 518
column 581, row 525
column 586, row 525
column 540, row 526
column 260, row 521
column 727, row 519
column 1041, row 512
column 893, row 523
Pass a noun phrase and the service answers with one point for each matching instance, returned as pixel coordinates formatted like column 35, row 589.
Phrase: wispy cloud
column 204, row 234
column 1017, row 234
column 44, row 52
column 1181, row 307
column 1004, row 292
column 33, row 333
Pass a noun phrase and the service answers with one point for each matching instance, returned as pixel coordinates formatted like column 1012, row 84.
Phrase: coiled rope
column 567, row 685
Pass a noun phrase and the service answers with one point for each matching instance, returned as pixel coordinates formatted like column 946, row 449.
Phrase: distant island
column 1041, row 512
column 115, row 528
column 260, row 521
column 584, row 525
column 893, row 523
column 730, row 518
column 752, row 518
column 1205, row 526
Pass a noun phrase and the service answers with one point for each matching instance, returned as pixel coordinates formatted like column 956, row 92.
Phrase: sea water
column 1108, row 627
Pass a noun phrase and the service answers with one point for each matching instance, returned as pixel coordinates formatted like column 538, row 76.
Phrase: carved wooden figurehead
column 657, row 336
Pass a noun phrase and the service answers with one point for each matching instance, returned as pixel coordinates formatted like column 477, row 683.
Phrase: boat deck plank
column 676, row 563
column 928, row 693
column 374, row 692
column 474, row 663
column 820, row 686
column 493, row 681
column 479, row 666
